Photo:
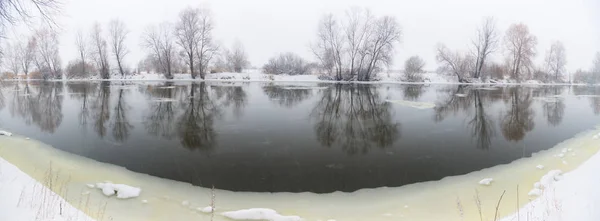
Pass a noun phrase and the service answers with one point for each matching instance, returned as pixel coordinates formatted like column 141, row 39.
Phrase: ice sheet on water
column 259, row 214
column 123, row 191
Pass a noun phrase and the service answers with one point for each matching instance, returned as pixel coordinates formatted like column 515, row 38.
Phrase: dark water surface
column 264, row 137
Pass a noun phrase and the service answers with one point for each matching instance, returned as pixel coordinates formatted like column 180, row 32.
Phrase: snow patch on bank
column 259, row 214
column 23, row 198
column 123, row 191
column 572, row 196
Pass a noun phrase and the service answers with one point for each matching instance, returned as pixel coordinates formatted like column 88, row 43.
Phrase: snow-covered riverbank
column 24, row 199
column 259, row 76
column 452, row 198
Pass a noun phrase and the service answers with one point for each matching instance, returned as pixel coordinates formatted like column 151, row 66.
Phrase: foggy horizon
column 267, row 28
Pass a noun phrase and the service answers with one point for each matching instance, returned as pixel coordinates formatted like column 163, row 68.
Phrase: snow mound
column 546, row 182
column 5, row 133
column 540, row 167
column 207, row 209
column 259, row 214
column 413, row 104
column 123, row 191
column 486, row 181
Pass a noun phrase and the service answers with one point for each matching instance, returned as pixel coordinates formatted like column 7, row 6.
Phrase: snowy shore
column 572, row 196
column 258, row 76
column 24, row 199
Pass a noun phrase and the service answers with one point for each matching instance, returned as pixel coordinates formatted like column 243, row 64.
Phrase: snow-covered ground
column 572, row 196
column 257, row 75
column 24, row 199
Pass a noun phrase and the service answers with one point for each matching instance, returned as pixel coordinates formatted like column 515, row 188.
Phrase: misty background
column 270, row 27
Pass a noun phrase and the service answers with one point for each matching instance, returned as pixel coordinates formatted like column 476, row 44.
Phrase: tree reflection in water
column 474, row 103
column 43, row 109
column 355, row 118
column 101, row 109
column 554, row 109
column 160, row 120
column 594, row 96
column 518, row 120
column 234, row 96
column 286, row 96
column 195, row 126
column 120, row 123
column 83, row 92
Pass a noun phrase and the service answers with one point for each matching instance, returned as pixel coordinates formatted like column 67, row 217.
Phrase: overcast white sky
column 269, row 27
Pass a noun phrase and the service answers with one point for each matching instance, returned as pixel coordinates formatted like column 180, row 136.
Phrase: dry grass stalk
column 478, row 203
column 498, row 205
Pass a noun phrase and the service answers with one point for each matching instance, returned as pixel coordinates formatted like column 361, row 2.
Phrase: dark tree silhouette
column 287, row 97
column 160, row 120
column 83, row 92
column 120, row 124
column 355, row 118
column 234, row 96
column 195, row 125
column 101, row 109
column 518, row 120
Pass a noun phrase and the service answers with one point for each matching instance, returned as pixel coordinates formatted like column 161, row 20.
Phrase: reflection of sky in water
column 313, row 137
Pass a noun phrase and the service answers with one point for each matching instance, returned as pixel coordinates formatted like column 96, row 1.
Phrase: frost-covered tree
column 188, row 35
column 207, row 49
column 118, row 32
column 454, row 63
column 11, row 57
column 27, row 54
column 159, row 41
column 100, row 51
column 520, row 47
column 358, row 47
column 596, row 68
column 82, row 49
column 413, row 68
column 484, row 45
column 556, row 59
column 237, row 59
column 47, row 58
column 287, row 63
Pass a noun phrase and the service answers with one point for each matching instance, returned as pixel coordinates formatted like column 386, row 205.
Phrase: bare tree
column 596, row 68
column 13, row 11
column 381, row 47
column 12, row 57
column 357, row 30
column 413, row 68
column 47, row 58
column 485, row 44
column 454, row 62
column 359, row 47
column 81, row 44
column 520, row 46
column 207, row 49
column 100, row 52
column 159, row 40
column 187, row 32
column 556, row 59
column 118, row 33
column 237, row 59
column 329, row 46
column 287, row 63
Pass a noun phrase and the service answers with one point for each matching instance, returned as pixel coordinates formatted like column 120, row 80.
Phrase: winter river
column 314, row 150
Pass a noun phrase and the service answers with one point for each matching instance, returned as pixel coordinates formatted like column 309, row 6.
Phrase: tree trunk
column 120, row 68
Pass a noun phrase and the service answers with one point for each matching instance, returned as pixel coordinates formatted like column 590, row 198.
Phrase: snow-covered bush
column 79, row 70
column 413, row 69
column 287, row 63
